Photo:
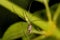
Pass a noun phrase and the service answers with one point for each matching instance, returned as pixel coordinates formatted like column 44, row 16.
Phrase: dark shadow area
column 19, row 38
column 52, row 2
column 35, row 6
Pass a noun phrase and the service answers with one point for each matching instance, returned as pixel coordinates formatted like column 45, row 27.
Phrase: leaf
column 15, row 31
column 18, row 30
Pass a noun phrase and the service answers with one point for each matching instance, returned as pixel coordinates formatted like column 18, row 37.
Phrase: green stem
column 56, row 14
column 47, row 10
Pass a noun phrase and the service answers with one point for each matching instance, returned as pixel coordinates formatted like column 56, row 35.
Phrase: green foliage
column 48, row 22
column 16, row 30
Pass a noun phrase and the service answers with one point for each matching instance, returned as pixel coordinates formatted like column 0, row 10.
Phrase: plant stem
column 47, row 10
column 56, row 14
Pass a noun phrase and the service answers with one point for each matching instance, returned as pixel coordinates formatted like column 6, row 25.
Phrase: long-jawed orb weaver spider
column 29, row 29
